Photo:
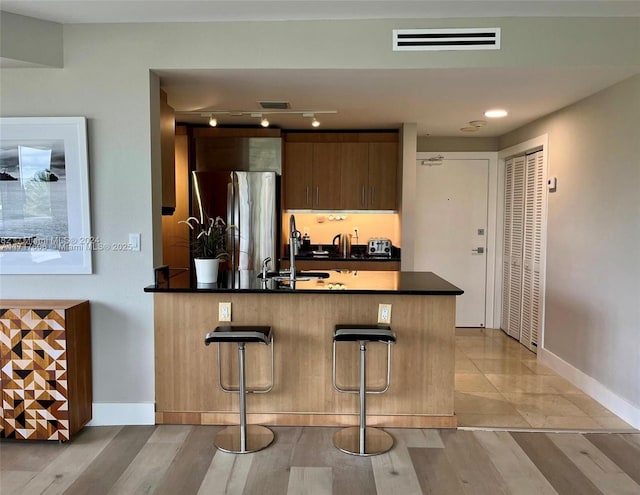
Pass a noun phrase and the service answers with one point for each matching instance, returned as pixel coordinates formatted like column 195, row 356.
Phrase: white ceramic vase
column 206, row 270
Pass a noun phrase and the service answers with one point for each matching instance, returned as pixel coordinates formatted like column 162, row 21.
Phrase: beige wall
column 436, row 143
column 106, row 77
column 593, row 256
column 29, row 42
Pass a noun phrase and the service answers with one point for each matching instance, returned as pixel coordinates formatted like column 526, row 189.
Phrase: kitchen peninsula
column 303, row 318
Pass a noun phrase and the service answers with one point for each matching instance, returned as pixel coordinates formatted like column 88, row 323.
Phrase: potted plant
column 209, row 239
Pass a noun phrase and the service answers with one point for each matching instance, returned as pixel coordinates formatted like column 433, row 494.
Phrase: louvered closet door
column 515, row 269
column 532, row 251
column 506, row 258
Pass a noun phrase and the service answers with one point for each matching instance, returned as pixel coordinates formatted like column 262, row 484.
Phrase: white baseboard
column 121, row 413
column 621, row 407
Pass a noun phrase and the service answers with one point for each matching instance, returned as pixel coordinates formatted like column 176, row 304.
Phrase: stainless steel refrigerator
column 249, row 203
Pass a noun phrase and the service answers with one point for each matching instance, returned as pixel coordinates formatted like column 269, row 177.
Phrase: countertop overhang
column 339, row 282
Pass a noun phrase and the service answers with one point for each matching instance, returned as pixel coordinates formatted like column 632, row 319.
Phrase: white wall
column 408, row 195
column 592, row 320
column 457, row 144
column 106, row 77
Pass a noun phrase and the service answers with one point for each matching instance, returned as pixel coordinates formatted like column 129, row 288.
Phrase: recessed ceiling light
column 470, row 128
column 264, row 122
column 213, row 122
column 496, row 113
column 478, row 123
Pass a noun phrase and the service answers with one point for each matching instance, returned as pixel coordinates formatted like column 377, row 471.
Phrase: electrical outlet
column 224, row 311
column 384, row 314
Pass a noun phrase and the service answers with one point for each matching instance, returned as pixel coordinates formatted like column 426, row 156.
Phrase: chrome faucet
column 265, row 267
column 294, row 240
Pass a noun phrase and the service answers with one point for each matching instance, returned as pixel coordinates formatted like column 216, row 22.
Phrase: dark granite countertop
column 339, row 281
column 358, row 254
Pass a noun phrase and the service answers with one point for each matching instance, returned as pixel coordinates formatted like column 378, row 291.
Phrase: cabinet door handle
column 373, row 195
column 317, row 195
column 363, row 202
column 307, row 200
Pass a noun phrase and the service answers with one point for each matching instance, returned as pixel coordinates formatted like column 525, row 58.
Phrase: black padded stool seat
column 246, row 333
column 242, row 438
column 362, row 440
column 356, row 333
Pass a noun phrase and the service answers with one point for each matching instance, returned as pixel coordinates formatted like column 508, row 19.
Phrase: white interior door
column 451, row 217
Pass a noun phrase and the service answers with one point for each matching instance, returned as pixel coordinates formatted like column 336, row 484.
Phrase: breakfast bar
column 303, row 319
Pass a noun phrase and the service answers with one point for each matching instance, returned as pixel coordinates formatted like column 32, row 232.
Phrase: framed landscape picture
column 44, row 196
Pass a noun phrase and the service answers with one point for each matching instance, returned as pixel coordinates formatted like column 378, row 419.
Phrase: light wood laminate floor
column 181, row 460
column 500, row 384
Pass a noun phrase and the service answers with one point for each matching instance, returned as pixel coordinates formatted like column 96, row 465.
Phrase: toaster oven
column 379, row 246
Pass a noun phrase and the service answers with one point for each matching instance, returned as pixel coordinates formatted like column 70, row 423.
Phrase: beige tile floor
column 500, row 384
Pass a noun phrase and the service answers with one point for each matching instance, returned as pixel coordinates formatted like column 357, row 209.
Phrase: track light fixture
column 213, row 116
column 314, row 122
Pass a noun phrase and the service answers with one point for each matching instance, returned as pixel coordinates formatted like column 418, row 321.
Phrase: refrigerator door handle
column 232, row 217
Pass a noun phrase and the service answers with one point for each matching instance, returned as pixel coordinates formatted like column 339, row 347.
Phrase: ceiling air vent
column 446, row 39
column 274, row 105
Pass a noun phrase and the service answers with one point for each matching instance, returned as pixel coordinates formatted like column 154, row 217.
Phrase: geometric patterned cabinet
column 45, row 368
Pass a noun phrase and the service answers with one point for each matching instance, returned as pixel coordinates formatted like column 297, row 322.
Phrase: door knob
column 478, row 250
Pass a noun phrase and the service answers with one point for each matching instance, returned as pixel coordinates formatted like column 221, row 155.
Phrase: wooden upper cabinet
column 327, row 164
column 355, row 175
column 383, row 176
column 226, row 149
column 341, row 171
column 167, row 155
column 298, row 175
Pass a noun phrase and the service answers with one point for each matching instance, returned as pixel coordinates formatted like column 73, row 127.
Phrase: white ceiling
column 98, row 11
column 440, row 101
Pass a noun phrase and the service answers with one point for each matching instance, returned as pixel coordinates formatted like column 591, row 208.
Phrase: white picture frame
column 44, row 196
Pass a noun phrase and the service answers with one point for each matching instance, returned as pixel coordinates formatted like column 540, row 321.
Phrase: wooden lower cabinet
column 45, row 368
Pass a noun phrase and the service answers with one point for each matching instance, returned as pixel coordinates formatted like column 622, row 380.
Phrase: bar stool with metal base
column 363, row 440
column 242, row 438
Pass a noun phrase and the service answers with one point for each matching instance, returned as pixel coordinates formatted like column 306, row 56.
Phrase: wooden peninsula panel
column 422, row 377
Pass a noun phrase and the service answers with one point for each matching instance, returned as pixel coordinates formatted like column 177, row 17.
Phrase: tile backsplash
column 323, row 226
